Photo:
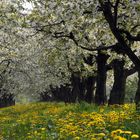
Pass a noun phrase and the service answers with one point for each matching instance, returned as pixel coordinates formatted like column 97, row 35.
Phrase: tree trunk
column 118, row 91
column 90, row 86
column 6, row 99
column 137, row 96
column 100, row 95
column 78, row 87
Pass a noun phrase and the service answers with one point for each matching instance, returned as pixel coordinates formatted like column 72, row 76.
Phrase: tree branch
column 124, row 46
column 137, row 25
column 130, row 71
column 116, row 12
column 98, row 48
column 48, row 25
column 129, row 36
column 7, row 65
column 72, row 37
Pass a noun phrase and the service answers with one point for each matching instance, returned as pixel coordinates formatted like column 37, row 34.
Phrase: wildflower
column 90, row 124
column 101, row 110
column 119, row 138
column 127, row 132
column 113, row 133
column 134, row 136
column 93, row 139
column 77, row 138
column 119, row 131
column 101, row 134
column 43, row 129
column 35, row 132
column 29, row 137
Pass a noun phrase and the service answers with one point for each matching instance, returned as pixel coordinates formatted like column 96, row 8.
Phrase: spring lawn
column 60, row 121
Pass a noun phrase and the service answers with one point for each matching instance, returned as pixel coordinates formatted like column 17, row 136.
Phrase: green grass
column 59, row 121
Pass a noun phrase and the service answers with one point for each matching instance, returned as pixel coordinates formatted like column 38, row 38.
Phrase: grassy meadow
column 59, row 121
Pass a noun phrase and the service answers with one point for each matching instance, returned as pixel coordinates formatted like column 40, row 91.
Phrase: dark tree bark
column 78, row 87
column 118, row 91
column 62, row 93
column 137, row 96
column 100, row 95
column 90, row 86
column 117, row 94
column 90, row 80
column 6, row 99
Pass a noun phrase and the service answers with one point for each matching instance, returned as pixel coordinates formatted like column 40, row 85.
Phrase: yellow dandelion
column 43, row 129
column 127, row 132
column 119, row 138
column 119, row 131
column 93, row 139
column 101, row 110
column 29, row 137
column 77, row 138
column 35, row 132
column 113, row 133
column 134, row 136
column 101, row 134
